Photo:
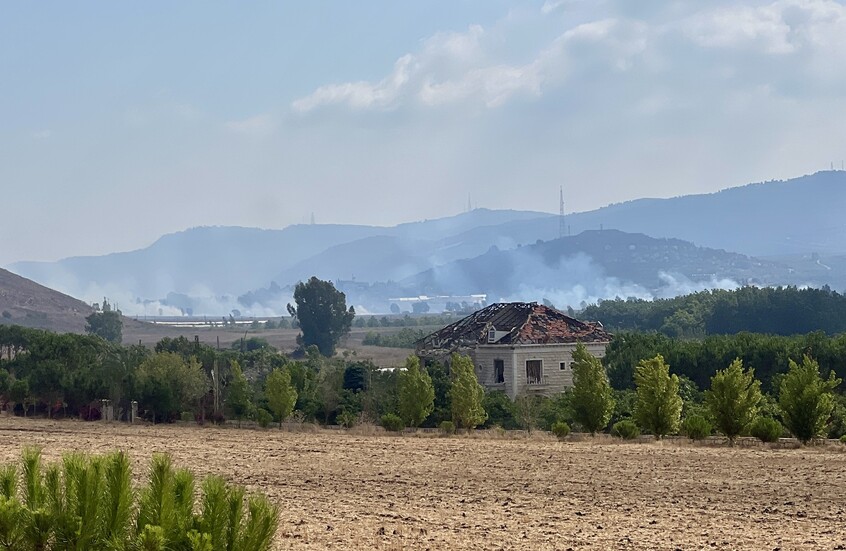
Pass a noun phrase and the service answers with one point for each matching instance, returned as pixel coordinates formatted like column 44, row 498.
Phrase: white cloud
column 361, row 95
column 781, row 27
column 466, row 68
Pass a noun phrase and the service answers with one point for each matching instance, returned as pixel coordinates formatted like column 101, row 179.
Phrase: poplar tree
column 416, row 393
column 466, row 394
column 280, row 393
column 658, row 406
column 238, row 394
column 590, row 398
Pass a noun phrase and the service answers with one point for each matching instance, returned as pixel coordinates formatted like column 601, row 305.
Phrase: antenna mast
column 562, row 227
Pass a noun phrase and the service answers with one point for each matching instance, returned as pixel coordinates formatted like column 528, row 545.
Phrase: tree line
column 67, row 375
column 772, row 310
column 698, row 359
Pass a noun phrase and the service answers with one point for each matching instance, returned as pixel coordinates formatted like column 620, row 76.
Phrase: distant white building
column 518, row 347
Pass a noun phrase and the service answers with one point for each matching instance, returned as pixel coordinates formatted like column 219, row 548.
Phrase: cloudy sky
column 123, row 121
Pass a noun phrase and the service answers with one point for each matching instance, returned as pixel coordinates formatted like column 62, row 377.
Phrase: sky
column 120, row 122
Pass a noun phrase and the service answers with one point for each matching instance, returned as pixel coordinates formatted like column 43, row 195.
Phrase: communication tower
column 562, row 226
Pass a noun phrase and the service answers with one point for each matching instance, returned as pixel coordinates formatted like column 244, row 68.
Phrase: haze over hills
column 598, row 264
column 204, row 270
column 215, row 261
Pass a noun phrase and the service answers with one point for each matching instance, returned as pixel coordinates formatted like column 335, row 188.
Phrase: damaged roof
column 515, row 323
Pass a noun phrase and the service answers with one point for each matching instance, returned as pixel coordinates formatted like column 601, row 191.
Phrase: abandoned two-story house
column 517, row 347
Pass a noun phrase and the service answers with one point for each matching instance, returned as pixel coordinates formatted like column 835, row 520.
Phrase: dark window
column 562, row 366
column 499, row 371
column 534, row 372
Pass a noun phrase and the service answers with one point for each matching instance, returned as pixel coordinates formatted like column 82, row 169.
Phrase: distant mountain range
column 799, row 216
column 232, row 260
column 796, row 222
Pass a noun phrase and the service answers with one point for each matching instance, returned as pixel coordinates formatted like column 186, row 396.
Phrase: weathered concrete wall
column 483, row 359
column 555, row 379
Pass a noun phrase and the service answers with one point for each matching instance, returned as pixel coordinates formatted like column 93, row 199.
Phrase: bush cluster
column 447, row 427
column 392, row 422
column 696, row 427
column 560, row 429
column 626, row 429
column 766, row 429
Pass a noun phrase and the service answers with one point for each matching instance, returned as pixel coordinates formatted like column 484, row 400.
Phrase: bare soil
column 341, row 490
column 285, row 340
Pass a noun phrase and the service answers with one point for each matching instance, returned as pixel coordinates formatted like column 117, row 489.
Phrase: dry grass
column 365, row 489
column 285, row 340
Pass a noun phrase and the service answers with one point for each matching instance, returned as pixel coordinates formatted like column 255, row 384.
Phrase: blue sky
column 120, row 122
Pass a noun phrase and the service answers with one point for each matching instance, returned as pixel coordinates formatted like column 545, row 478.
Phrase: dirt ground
column 340, row 490
column 285, row 340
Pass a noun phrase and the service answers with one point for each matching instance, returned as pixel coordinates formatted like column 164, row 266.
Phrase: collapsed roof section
column 512, row 323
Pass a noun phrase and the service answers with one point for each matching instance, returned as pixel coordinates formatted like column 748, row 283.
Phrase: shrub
column 625, row 429
column 560, row 429
column 187, row 416
column 696, row 427
column 263, row 417
column 766, row 429
column 347, row 419
column 447, row 427
column 392, row 422
column 843, row 439
column 88, row 502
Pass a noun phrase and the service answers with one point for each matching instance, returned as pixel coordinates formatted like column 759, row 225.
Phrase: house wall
column 483, row 359
column 555, row 380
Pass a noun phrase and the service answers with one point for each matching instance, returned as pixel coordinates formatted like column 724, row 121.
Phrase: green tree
column 322, row 314
column 466, row 394
column 416, row 393
column 529, row 409
column 5, row 381
column 501, row 410
column 806, row 399
column 169, row 385
column 733, row 399
column 590, row 398
column 356, row 376
column 280, row 393
column 18, row 394
column 106, row 324
column 45, row 381
column 238, row 399
column 658, row 407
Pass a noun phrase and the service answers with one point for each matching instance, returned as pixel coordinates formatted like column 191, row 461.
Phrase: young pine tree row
column 734, row 403
column 88, row 502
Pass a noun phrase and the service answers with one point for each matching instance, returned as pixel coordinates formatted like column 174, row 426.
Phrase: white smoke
column 578, row 280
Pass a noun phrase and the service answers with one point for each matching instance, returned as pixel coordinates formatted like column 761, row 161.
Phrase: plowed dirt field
column 347, row 491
